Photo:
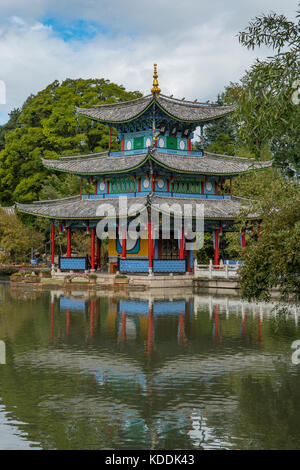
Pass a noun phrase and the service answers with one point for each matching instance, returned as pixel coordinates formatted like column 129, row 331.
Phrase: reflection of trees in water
column 269, row 409
column 183, row 361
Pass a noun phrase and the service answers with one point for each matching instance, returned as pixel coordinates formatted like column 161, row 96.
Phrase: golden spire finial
column 155, row 88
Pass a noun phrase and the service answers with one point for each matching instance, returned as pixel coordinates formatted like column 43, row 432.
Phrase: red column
column 51, row 321
column 244, row 326
column 216, row 257
column 68, row 242
column 67, row 322
column 181, row 250
column 202, row 187
column 216, row 187
column 243, row 239
column 93, row 249
column 98, row 253
column 150, row 243
column 52, row 242
column 96, row 187
column 150, row 331
column 181, row 328
column 152, row 182
column 122, row 145
column 189, row 144
column 123, row 326
column 92, row 316
column 216, row 321
column 80, row 188
column 259, row 329
column 124, row 245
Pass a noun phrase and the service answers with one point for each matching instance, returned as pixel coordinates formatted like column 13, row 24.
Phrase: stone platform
column 143, row 282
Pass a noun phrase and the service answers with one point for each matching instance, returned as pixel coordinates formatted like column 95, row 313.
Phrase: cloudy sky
column 193, row 42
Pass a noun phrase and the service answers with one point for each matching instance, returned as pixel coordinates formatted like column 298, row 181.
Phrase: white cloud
column 193, row 43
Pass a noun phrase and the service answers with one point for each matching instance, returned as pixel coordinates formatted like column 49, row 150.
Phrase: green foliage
column 223, row 145
column 225, row 125
column 273, row 259
column 219, row 135
column 268, row 113
column 206, row 253
column 16, row 239
column 9, row 126
column 256, row 185
column 47, row 127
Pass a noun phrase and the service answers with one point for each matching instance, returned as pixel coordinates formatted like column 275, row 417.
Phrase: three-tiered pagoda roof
column 155, row 169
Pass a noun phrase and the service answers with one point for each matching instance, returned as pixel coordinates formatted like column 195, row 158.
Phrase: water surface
column 165, row 371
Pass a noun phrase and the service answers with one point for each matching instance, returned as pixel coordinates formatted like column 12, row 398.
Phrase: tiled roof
column 93, row 164
column 209, row 164
column 186, row 111
column 190, row 111
column 9, row 210
column 74, row 208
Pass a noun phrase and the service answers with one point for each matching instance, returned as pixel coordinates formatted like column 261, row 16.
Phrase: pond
column 165, row 370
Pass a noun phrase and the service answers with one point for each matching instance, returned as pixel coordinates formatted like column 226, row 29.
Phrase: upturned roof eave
column 93, row 172
column 31, row 209
column 161, row 107
column 151, row 155
column 112, row 122
column 206, row 173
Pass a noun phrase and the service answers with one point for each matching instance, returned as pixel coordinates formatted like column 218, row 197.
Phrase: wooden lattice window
column 123, row 185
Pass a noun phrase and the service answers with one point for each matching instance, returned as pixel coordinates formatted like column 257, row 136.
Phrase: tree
column 47, row 127
column 12, row 124
column 268, row 110
column 16, row 240
column 273, row 259
column 220, row 134
column 223, row 145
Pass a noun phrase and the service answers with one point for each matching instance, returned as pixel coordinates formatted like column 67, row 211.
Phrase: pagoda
column 155, row 171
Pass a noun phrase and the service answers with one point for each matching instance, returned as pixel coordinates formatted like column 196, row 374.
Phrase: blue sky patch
column 77, row 30
column 3, row 118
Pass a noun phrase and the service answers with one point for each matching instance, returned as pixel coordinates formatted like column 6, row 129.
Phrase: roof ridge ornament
column 155, row 89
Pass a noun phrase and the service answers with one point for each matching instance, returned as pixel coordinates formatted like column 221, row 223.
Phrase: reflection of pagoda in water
column 152, row 351
column 129, row 318
column 144, row 369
